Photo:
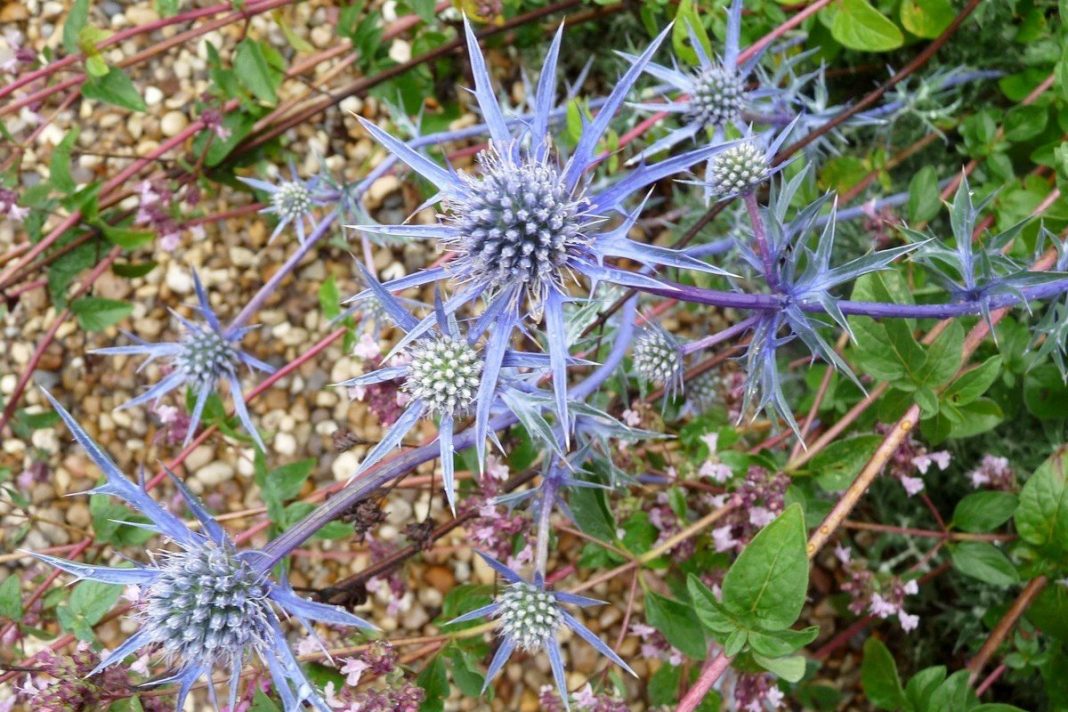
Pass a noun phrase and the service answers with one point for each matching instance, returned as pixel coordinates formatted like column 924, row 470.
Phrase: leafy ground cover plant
column 706, row 367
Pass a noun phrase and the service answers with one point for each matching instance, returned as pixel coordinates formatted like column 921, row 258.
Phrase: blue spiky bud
column 740, row 169
column 529, row 615
column 717, row 97
column 206, row 606
column 517, row 223
column 657, row 357
column 205, row 355
column 444, row 373
column 703, row 391
column 292, row 200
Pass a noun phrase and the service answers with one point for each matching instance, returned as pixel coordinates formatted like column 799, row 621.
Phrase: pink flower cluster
column 584, row 701
column 655, row 645
column 757, row 693
column 993, row 473
column 761, row 497
column 910, row 458
column 883, row 599
column 379, row 660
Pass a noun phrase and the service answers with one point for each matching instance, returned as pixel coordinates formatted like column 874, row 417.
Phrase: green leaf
column 974, row 383
column 59, row 165
column 435, row 684
column 97, row 313
column 262, row 703
column 984, row 511
column 1023, row 123
column 922, row 686
column 72, row 26
column 924, row 202
column 783, row 642
column 1042, row 516
column 87, row 604
column 1045, row 393
column 943, row 357
column 254, row 71
column 858, row 25
column 108, row 516
column 765, row 587
column 465, row 672
column 330, row 298
column 1049, row 612
column 984, row 561
column 708, row 609
column 879, row 678
column 997, row 707
column 11, row 598
column 131, row 271
column 953, row 695
column 114, row 88
column 686, row 18
column 836, row 465
column 790, row 668
column 975, row 418
column 677, row 622
column 591, row 513
column 663, row 686
column 926, row 18
column 128, row 238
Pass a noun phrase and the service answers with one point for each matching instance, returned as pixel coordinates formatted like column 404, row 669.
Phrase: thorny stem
column 545, row 512
column 719, row 337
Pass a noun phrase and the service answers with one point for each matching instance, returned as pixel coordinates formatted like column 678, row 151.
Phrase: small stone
column 285, row 444
column 179, row 280
column 441, row 578
column 345, row 466
column 78, row 515
column 200, row 457
column 214, row 473
column 153, row 96
column 172, row 123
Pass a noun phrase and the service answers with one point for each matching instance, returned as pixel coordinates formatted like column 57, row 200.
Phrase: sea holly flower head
column 713, row 97
column 658, row 358
column 529, row 222
column 530, row 617
column 291, row 201
column 745, row 166
column 444, row 372
column 202, row 605
column 209, row 354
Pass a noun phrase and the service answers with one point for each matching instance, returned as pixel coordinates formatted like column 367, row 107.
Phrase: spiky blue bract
column 528, row 223
column 208, row 355
column 202, row 605
column 804, row 277
column 713, row 96
column 977, row 268
column 445, row 375
column 530, row 617
column 291, row 201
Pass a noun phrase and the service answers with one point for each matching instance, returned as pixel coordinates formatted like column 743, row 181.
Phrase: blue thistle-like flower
column 528, row 223
column 714, row 96
column 291, row 201
column 207, row 355
column 530, row 616
column 745, row 166
column 203, row 605
column 444, row 376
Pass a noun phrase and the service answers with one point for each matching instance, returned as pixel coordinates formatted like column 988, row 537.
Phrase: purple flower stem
column 288, row 266
column 760, row 237
column 876, row 310
column 712, row 339
column 384, row 472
